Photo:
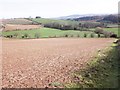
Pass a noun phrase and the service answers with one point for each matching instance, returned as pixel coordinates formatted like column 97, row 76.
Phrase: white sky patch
column 55, row 8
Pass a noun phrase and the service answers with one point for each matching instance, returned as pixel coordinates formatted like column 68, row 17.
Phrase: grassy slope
column 44, row 21
column 102, row 72
column 47, row 32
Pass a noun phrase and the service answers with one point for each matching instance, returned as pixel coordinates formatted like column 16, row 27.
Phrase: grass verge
column 101, row 72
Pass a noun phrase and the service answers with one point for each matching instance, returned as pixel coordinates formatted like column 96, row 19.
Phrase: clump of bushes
column 109, row 34
column 99, row 36
column 99, row 30
column 9, row 36
column 85, row 34
column 91, row 35
column 15, row 35
column 66, row 35
column 105, row 33
column 37, row 35
column 25, row 36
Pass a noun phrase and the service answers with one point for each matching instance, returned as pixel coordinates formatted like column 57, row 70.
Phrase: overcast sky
column 55, row 8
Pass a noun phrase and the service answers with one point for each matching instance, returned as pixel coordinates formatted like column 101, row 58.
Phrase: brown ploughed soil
column 37, row 63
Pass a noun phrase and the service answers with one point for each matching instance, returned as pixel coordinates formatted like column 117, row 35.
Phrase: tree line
column 73, row 26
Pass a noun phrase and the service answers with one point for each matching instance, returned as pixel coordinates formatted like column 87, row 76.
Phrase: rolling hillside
column 45, row 21
column 113, row 18
column 20, row 21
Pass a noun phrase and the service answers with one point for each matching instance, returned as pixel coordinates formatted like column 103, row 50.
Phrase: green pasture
column 48, row 32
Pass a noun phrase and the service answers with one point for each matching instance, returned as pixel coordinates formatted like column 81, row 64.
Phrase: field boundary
column 98, row 74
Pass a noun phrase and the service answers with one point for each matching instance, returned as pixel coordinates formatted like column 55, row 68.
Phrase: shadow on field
column 101, row 72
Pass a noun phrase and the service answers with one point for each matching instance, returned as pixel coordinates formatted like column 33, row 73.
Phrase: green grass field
column 45, row 21
column 48, row 32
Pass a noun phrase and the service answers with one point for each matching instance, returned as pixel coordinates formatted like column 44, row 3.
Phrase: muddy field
column 37, row 63
column 19, row 21
column 11, row 27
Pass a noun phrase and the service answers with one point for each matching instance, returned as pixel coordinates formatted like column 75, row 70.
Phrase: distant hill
column 113, row 18
column 110, row 19
column 74, row 16
column 69, row 17
column 89, row 18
